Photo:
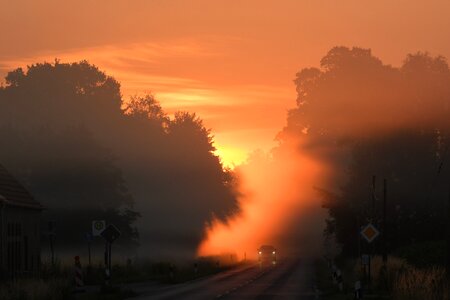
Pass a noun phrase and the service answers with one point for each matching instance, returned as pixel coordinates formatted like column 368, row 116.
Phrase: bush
column 424, row 255
column 406, row 282
column 36, row 289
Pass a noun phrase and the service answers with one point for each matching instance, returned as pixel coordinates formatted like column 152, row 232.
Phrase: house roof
column 13, row 193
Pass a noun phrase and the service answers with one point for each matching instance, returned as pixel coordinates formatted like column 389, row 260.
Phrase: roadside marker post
column 88, row 236
column 51, row 236
column 358, row 293
column 79, row 283
column 316, row 292
column 334, row 273
column 339, row 280
column 365, row 261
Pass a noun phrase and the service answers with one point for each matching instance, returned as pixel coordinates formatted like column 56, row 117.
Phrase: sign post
column 88, row 236
column 51, row 235
column 369, row 233
column 110, row 234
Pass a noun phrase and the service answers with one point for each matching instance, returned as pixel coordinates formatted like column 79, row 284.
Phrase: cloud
column 177, row 73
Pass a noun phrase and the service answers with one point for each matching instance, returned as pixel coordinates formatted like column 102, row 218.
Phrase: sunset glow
column 274, row 191
column 220, row 149
column 232, row 64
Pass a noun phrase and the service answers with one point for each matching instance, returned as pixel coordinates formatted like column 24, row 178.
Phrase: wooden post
column 385, row 230
column 370, row 247
column 89, row 253
column 447, row 258
column 52, row 250
column 109, row 258
column 373, row 196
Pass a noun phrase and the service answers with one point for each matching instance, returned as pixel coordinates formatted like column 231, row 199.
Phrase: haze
column 231, row 62
column 231, row 149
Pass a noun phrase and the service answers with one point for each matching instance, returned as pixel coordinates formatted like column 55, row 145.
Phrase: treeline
column 364, row 118
column 86, row 153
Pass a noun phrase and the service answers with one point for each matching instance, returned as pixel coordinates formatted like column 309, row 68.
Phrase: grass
column 35, row 289
column 110, row 293
column 56, row 282
column 163, row 271
column 399, row 280
column 382, row 279
column 423, row 254
column 412, row 283
column 324, row 280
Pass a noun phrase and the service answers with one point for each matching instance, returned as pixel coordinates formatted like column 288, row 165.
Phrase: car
column 267, row 255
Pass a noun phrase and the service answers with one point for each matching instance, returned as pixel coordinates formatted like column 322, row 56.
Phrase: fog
column 98, row 155
column 279, row 206
column 352, row 103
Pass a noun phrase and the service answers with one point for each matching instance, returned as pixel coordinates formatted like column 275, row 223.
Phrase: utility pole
column 385, row 230
column 51, row 235
column 447, row 260
column 370, row 246
column 358, row 237
column 373, row 196
column 89, row 253
column 52, row 250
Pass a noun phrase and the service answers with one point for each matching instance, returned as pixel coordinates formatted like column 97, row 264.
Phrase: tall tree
column 92, row 149
column 364, row 118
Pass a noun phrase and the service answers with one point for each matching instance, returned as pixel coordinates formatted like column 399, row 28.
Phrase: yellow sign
column 370, row 233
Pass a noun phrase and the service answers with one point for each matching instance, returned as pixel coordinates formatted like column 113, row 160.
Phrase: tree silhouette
column 76, row 143
column 365, row 118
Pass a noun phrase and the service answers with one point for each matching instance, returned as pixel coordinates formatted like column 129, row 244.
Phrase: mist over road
column 292, row 278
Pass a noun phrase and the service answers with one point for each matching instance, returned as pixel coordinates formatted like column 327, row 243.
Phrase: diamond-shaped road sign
column 370, row 233
column 111, row 233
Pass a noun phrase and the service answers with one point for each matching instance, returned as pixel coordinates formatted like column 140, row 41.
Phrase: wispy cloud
column 169, row 70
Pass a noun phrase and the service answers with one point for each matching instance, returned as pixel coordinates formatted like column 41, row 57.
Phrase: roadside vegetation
column 99, row 156
column 36, row 289
column 399, row 281
column 57, row 282
column 384, row 133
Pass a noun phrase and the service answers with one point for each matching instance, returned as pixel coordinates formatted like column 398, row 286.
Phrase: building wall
column 20, row 241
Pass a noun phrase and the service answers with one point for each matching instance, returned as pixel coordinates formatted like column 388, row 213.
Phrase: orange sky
column 232, row 62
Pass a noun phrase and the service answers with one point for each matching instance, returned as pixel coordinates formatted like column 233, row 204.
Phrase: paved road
column 290, row 279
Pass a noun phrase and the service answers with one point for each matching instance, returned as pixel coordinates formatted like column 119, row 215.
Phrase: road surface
column 290, row 279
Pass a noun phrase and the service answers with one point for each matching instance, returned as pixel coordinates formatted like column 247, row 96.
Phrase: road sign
column 111, row 233
column 365, row 259
column 88, row 237
column 370, row 233
column 97, row 227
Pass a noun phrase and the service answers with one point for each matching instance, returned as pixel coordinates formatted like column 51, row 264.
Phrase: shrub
column 36, row 289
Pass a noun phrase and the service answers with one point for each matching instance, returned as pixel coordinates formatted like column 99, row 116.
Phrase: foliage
column 418, row 284
column 363, row 118
column 424, row 254
column 36, row 289
column 86, row 153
